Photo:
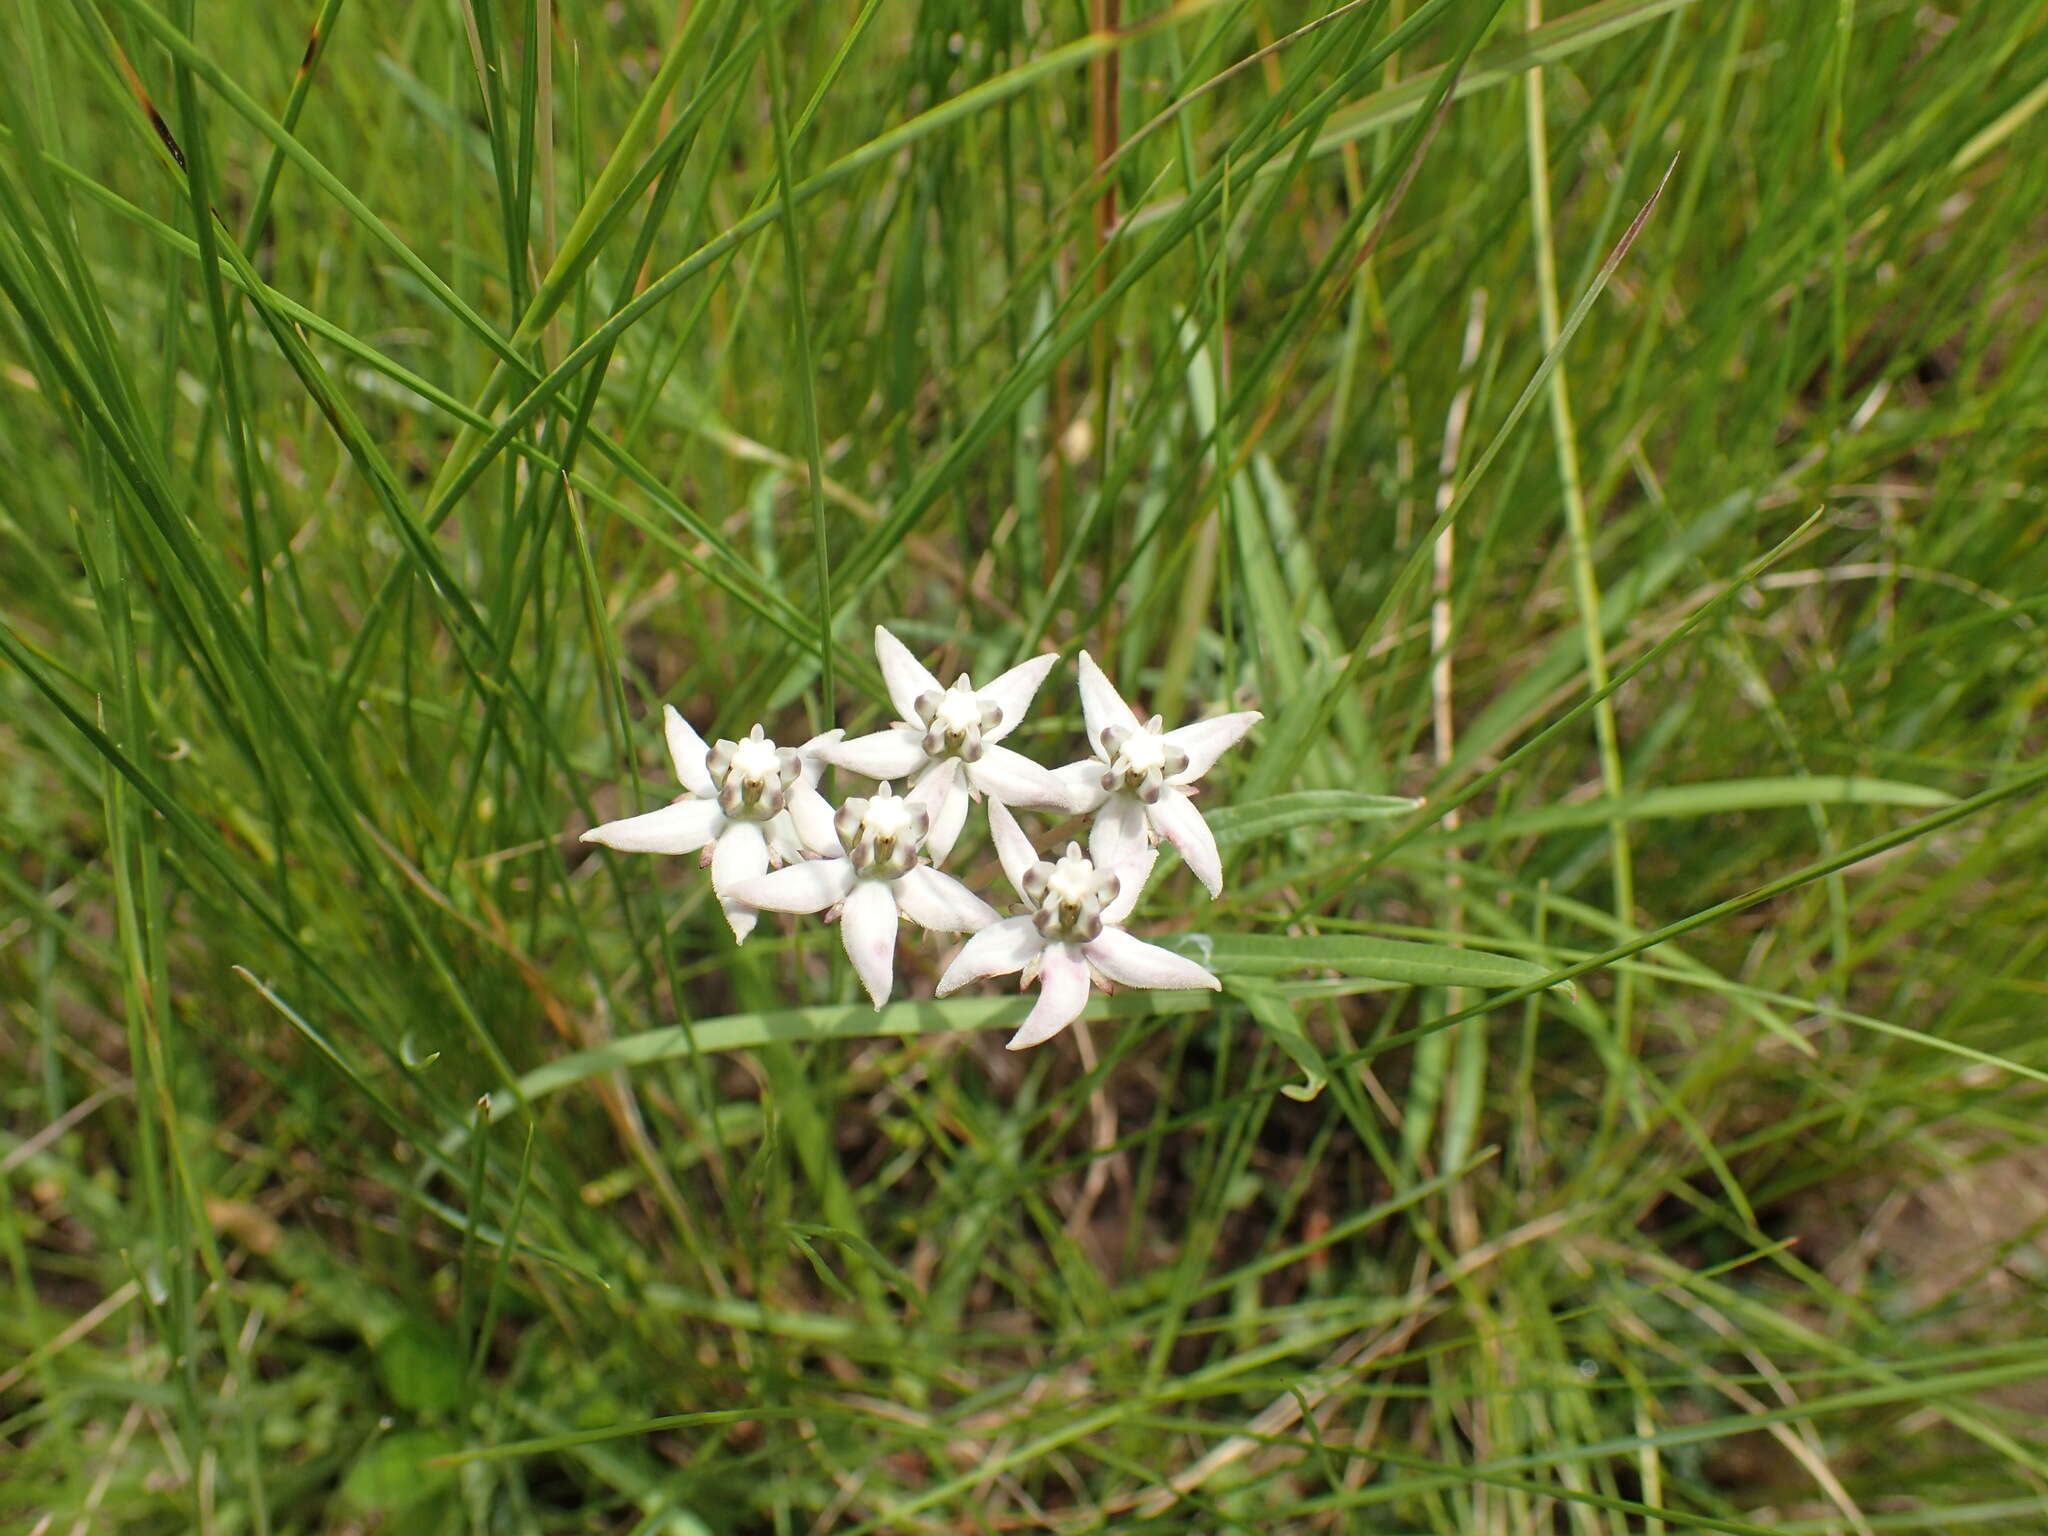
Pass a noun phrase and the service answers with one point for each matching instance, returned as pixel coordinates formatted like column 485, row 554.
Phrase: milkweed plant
column 752, row 810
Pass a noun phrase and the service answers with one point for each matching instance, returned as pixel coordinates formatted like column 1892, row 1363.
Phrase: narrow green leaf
column 1398, row 960
column 1718, row 798
column 1310, row 807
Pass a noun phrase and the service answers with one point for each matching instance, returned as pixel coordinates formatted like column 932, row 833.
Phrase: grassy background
column 352, row 539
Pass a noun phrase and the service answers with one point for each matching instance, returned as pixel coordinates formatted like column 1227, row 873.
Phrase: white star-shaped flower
column 874, row 874
column 946, row 741
column 1071, row 937
column 1138, row 789
column 751, row 806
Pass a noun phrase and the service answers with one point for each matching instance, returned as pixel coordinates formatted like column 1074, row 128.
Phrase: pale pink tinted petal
column 1012, row 846
column 1012, row 694
column 811, row 816
column 1083, row 784
column 943, row 794
column 1134, row 963
column 740, row 854
column 867, row 927
column 904, row 674
column 811, row 885
column 933, row 899
column 1131, row 876
column 998, row 950
column 1101, row 705
column 1207, row 740
column 784, row 846
column 1016, row 780
column 1118, row 834
column 687, row 751
column 1175, row 818
column 895, row 753
column 1062, row 994
column 683, row 827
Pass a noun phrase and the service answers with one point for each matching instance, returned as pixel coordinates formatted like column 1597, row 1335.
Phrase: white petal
column 1131, row 876
column 934, row 784
column 867, row 927
column 1014, row 779
column 1174, row 817
column 1101, row 705
column 1012, row 846
column 1083, row 783
column 1062, row 994
column 933, row 899
column 811, row 754
column 740, row 853
column 904, row 674
column 1013, row 692
column 784, row 846
column 938, row 847
column 1118, row 834
column 811, row 817
column 943, row 794
column 687, row 751
column 895, row 753
column 809, row 886
column 1135, row 963
column 683, row 827
column 1207, row 740
column 998, row 950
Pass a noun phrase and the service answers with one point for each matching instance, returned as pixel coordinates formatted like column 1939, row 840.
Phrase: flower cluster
column 774, row 844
